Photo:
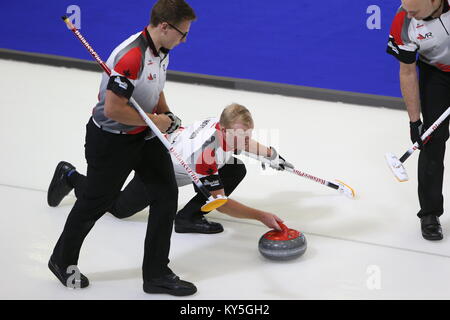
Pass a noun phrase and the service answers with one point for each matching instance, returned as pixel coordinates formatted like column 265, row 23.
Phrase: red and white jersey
column 136, row 69
column 202, row 146
column 430, row 38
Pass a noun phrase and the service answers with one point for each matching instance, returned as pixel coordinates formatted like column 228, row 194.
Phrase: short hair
column 235, row 113
column 172, row 11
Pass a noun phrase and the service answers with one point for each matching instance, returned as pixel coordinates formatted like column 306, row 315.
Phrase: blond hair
column 235, row 113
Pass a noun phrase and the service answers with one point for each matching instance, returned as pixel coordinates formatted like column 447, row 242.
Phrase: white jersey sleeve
column 203, row 149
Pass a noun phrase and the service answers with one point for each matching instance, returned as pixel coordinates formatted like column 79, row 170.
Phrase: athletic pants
column 435, row 99
column 111, row 158
column 134, row 199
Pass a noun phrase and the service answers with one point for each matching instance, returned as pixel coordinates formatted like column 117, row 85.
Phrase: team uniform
column 138, row 70
column 428, row 42
column 113, row 150
column 203, row 148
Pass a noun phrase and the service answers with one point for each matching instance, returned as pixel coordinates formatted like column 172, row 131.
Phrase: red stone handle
column 284, row 230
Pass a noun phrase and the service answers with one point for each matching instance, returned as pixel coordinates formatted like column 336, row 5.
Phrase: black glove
column 416, row 130
column 277, row 162
column 176, row 122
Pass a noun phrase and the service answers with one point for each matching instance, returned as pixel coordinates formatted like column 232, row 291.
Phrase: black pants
column 435, row 99
column 111, row 158
column 134, row 197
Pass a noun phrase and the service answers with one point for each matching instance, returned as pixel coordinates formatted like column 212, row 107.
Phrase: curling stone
column 286, row 244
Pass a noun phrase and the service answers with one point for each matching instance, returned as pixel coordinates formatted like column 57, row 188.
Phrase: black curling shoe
column 68, row 277
column 169, row 284
column 197, row 225
column 59, row 186
column 431, row 228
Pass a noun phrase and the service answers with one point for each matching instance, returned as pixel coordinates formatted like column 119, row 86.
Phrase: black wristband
column 120, row 86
